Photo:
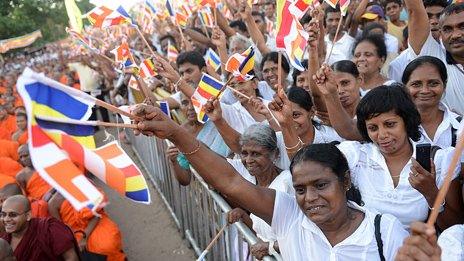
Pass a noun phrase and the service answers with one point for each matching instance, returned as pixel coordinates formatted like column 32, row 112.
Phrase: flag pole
column 208, row 248
column 279, row 72
column 145, row 40
column 181, row 34
column 439, row 200
column 215, row 16
column 238, row 92
column 335, row 37
column 116, row 109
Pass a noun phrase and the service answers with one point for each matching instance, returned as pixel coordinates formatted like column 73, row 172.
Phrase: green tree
column 19, row 17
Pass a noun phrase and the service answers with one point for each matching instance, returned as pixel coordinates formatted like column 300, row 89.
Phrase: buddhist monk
column 9, row 167
column 7, row 124
column 20, row 135
column 6, row 253
column 99, row 235
column 35, row 239
column 29, row 180
column 39, row 207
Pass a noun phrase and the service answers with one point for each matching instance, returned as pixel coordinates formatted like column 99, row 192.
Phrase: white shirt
column 341, row 50
column 301, row 239
column 392, row 43
column 451, row 242
column 454, row 92
column 265, row 91
column 397, row 66
column 322, row 134
column 370, row 174
column 237, row 116
column 283, row 183
column 444, row 133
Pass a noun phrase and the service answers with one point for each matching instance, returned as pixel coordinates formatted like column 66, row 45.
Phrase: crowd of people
column 321, row 164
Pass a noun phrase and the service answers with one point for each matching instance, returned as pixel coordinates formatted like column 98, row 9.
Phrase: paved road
column 148, row 231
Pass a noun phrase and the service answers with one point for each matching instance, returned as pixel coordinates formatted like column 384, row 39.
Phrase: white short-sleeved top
column 301, row 239
column 237, row 116
column 451, row 242
column 370, row 174
column 443, row 135
column 283, row 183
column 322, row 134
column 341, row 49
column 397, row 66
column 454, row 93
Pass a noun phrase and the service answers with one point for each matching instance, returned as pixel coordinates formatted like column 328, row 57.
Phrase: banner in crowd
column 19, row 42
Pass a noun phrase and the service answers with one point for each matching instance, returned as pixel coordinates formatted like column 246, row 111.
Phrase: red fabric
column 39, row 208
column 45, row 239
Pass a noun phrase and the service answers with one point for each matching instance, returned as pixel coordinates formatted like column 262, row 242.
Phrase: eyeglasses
column 11, row 214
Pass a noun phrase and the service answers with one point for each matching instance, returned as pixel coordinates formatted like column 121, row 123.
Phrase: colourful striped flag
column 61, row 138
column 206, row 17
column 241, row 64
column 103, row 17
column 300, row 7
column 133, row 83
column 147, row 68
column 210, row 3
column 81, row 40
column 213, row 59
column 186, row 10
column 45, row 97
column 122, row 54
column 208, row 88
column 291, row 37
column 344, row 4
column 332, row 3
column 172, row 52
column 164, row 106
column 169, row 8
column 181, row 19
column 151, row 8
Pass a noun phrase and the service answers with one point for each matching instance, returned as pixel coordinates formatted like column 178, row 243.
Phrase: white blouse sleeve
column 286, row 214
column 442, row 161
column 351, row 150
column 451, row 242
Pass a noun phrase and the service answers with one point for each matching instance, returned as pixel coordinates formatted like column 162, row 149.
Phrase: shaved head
column 16, row 214
column 24, row 156
column 8, row 191
column 6, row 253
column 18, row 201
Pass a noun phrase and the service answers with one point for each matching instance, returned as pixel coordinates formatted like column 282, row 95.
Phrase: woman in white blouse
column 425, row 78
column 384, row 168
column 321, row 224
column 259, row 152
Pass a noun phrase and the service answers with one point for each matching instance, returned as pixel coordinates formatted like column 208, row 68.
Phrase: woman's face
column 246, row 87
column 388, row 132
column 301, row 119
column 425, row 86
column 302, row 81
column 270, row 70
column 257, row 159
column 367, row 59
column 319, row 193
column 348, row 88
column 187, row 108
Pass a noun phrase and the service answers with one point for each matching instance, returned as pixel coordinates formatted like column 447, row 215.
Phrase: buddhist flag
column 344, row 4
column 300, row 7
column 164, row 106
column 206, row 17
column 213, row 59
column 147, row 69
column 291, row 37
column 122, row 54
column 186, row 10
column 151, row 8
column 332, row 3
column 181, row 19
column 81, row 40
column 241, row 64
column 208, row 88
column 210, row 3
column 172, row 52
column 103, row 17
column 45, row 97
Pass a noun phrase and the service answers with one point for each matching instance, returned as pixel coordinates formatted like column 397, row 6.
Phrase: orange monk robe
column 9, row 167
column 5, row 180
column 39, row 208
column 36, row 187
column 9, row 149
column 105, row 239
column 23, row 138
column 7, row 127
column 18, row 101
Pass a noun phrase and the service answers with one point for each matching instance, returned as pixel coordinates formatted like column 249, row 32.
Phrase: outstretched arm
column 418, row 24
column 212, row 168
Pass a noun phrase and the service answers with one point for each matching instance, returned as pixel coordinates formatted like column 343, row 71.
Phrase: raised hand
column 218, row 38
column 165, row 69
column 420, row 245
column 154, row 122
column 325, row 80
column 424, row 181
column 244, row 10
column 281, row 107
column 313, row 33
column 213, row 109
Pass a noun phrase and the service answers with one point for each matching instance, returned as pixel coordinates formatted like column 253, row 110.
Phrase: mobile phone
column 423, row 155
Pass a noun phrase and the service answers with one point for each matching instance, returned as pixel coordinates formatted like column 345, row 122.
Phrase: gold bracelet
column 193, row 151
